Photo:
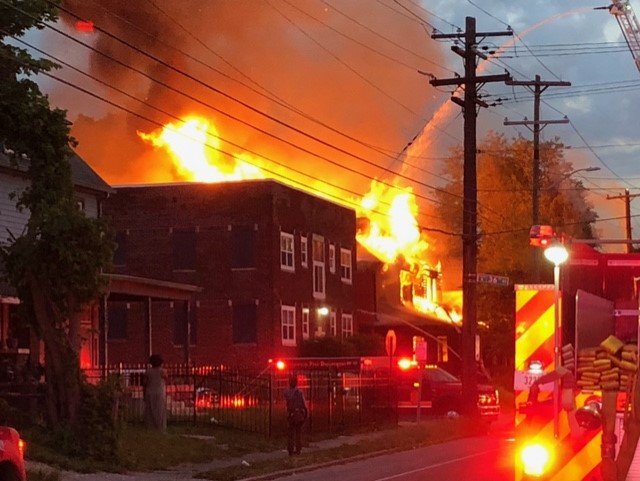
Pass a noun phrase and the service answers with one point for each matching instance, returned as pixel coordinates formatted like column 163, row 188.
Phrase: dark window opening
column 184, row 250
column 180, row 324
column 117, row 319
column 120, row 254
column 244, row 323
column 242, row 247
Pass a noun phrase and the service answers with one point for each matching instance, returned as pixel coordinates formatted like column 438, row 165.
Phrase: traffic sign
column 390, row 342
column 491, row 279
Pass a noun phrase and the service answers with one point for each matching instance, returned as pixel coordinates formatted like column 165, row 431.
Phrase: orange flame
column 197, row 159
column 392, row 233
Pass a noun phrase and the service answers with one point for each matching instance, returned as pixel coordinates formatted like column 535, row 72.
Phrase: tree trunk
column 61, row 361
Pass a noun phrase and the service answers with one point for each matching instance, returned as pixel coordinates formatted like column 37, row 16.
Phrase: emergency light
column 535, row 459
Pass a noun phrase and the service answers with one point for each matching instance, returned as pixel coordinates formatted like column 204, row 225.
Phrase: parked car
column 11, row 455
column 441, row 393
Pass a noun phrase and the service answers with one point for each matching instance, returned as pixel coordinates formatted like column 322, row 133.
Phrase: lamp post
column 557, row 254
column 566, row 176
column 536, row 195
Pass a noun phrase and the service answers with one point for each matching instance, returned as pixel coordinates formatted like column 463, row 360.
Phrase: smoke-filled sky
column 332, row 93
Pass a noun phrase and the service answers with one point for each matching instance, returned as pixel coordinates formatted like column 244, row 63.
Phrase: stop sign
column 390, row 342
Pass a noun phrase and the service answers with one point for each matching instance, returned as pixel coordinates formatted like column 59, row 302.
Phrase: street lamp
column 557, row 254
column 566, row 176
column 535, row 201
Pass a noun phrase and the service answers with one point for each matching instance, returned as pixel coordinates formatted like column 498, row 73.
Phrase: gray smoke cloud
column 296, row 52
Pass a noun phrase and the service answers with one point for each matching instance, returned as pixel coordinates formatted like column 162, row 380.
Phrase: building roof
column 82, row 174
column 390, row 316
column 270, row 183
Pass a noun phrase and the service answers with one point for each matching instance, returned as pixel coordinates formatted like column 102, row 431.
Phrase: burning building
column 275, row 266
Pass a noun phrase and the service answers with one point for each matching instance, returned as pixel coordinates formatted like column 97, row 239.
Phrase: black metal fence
column 254, row 402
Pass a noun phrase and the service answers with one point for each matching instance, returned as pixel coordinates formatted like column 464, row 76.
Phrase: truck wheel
column 8, row 472
column 446, row 405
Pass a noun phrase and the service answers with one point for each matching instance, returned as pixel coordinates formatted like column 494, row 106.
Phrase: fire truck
column 577, row 398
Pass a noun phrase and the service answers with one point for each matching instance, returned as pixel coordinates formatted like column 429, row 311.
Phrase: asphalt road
column 487, row 458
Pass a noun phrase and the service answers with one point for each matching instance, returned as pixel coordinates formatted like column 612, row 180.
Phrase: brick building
column 273, row 266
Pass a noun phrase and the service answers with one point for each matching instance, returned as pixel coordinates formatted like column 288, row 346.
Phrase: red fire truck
column 589, row 429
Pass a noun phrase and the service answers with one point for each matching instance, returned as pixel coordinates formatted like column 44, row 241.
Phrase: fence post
column 269, row 429
column 195, row 395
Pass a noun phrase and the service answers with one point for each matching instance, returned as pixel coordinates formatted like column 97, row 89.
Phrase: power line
column 212, row 107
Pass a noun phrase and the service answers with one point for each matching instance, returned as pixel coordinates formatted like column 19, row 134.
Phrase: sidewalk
column 503, row 426
column 188, row 471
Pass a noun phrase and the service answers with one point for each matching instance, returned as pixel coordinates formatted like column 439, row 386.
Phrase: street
column 487, row 458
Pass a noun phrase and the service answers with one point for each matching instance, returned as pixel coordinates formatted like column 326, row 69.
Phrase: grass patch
column 41, row 475
column 179, row 445
column 401, row 438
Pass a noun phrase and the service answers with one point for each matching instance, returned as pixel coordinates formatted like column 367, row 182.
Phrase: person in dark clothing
column 296, row 416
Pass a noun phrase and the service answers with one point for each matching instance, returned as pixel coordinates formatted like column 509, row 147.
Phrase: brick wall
column 148, row 215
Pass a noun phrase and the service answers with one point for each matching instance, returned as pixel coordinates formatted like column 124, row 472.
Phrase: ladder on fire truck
column 628, row 22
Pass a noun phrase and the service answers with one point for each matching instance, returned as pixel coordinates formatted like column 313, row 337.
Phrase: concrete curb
column 313, row 467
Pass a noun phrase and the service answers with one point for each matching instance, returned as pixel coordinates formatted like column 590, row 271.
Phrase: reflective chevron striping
column 534, row 327
column 575, row 458
column 581, row 463
column 531, row 306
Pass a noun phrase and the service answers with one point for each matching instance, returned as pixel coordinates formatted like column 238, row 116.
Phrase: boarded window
column 184, row 250
column 120, row 254
column 117, row 319
column 180, row 327
column 243, row 247
column 244, row 323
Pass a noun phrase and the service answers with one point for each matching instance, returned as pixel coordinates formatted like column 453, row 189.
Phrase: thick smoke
column 369, row 89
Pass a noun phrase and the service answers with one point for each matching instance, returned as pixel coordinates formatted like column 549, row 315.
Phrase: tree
column 504, row 219
column 56, row 262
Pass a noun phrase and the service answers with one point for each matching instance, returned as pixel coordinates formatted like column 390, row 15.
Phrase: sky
column 335, row 93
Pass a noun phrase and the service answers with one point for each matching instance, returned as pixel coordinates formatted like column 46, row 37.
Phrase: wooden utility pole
column 537, row 86
column 471, row 83
column 627, row 214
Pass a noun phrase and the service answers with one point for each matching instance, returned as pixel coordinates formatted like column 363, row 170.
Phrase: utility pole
column 627, row 214
column 471, row 83
column 537, row 86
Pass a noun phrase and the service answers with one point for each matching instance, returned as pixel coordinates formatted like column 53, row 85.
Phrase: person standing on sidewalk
column 155, row 395
column 297, row 413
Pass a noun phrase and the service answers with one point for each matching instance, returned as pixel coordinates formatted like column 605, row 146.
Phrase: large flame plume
column 390, row 230
column 194, row 148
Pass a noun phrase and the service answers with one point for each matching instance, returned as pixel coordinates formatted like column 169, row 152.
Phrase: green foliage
column 96, row 435
column 56, row 263
column 353, row 346
column 504, row 178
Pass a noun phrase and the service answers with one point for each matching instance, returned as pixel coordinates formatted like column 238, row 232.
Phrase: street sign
column 491, row 279
column 419, row 349
column 390, row 342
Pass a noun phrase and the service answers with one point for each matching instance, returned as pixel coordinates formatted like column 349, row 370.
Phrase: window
column 332, row 324
column 288, row 321
column 347, row 325
column 181, row 310
column 287, row 257
column 242, row 247
column 183, row 250
column 305, row 323
column 443, row 349
column 345, row 266
column 304, row 251
column 117, row 321
column 332, row 258
column 120, row 254
column 244, row 323
column 318, row 267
